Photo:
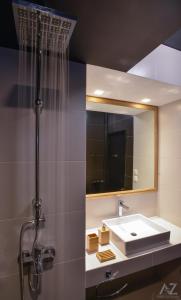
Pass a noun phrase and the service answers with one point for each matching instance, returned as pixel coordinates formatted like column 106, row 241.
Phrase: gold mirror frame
column 138, row 106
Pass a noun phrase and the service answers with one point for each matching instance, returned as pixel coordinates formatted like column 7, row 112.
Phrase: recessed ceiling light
column 98, row 92
column 146, row 100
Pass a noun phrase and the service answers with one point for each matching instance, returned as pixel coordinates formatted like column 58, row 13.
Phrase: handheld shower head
column 53, row 25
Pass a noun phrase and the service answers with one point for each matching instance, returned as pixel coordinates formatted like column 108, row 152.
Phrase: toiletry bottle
column 104, row 235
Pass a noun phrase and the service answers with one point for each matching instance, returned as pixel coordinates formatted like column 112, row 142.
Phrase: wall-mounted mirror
column 121, row 147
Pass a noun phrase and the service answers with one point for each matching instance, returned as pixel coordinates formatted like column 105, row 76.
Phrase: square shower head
column 54, row 28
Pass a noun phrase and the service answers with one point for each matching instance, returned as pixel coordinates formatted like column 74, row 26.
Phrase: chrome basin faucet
column 121, row 207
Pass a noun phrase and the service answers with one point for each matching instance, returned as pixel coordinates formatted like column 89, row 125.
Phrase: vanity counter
column 125, row 265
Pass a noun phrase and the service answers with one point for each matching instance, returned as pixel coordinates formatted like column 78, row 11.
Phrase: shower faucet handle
column 41, row 255
column 49, row 253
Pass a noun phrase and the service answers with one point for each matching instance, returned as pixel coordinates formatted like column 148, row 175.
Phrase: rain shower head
column 53, row 26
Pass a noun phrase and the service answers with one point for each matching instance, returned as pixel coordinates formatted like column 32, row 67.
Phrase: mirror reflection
column 120, row 148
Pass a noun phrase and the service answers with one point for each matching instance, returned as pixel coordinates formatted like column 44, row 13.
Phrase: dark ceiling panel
column 114, row 34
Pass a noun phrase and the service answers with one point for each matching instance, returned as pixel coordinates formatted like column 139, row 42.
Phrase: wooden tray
column 105, row 255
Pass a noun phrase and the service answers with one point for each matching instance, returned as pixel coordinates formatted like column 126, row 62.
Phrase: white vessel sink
column 135, row 233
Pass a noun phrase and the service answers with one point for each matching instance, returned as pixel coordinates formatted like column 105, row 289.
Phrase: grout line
column 10, row 275
column 46, row 215
column 15, row 219
column 55, row 264
column 70, row 260
column 41, row 161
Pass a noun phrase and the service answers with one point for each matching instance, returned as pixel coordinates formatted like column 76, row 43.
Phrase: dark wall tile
column 95, row 147
column 129, row 146
column 99, row 126
column 96, row 118
column 129, row 166
column 95, row 131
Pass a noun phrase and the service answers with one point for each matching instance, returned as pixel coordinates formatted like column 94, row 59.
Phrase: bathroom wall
column 100, row 127
column 64, row 209
column 124, row 123
column 98, row 209
column 96, row 154
column 143, row 157
column 167, row 201
column 169, row 192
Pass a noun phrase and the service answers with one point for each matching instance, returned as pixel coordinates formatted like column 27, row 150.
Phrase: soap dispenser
column 104, row 235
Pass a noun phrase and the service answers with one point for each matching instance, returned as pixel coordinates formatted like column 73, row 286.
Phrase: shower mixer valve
column 42, row 258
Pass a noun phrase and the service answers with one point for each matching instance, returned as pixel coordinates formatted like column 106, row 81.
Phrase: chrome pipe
column 37, row 28
column 21, row 267
column 20, row 256
column 38, row 109
column 37, row 201
column 34, row 285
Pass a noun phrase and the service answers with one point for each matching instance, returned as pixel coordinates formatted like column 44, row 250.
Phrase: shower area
column 42, row 160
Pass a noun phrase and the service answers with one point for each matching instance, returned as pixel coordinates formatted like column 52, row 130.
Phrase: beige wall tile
column 169, row 193
column 62, row 188
column 98, row 209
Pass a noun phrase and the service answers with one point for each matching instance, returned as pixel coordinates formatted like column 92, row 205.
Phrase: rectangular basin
column 135, row 233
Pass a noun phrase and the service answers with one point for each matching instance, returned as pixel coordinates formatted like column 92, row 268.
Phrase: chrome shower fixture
column 53, row 25
column 45, row 33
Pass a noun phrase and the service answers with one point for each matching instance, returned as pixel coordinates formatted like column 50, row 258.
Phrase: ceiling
column 124, row 86
column 113, row 34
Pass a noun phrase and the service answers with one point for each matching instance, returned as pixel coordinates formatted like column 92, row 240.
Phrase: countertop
column 125, row 265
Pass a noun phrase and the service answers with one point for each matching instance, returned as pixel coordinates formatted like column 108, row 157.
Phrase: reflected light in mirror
column 98, row 92
column 121, row 147
column 146, row 100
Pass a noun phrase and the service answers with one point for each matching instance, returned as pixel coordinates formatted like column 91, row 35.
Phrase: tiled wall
column 64, row 208
column 99, row 127
column 124, row 123
column 169, row 193
column 167, row 202
column 98, row 209
column 103, row 208
column 143, row 160
column 95, row 154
